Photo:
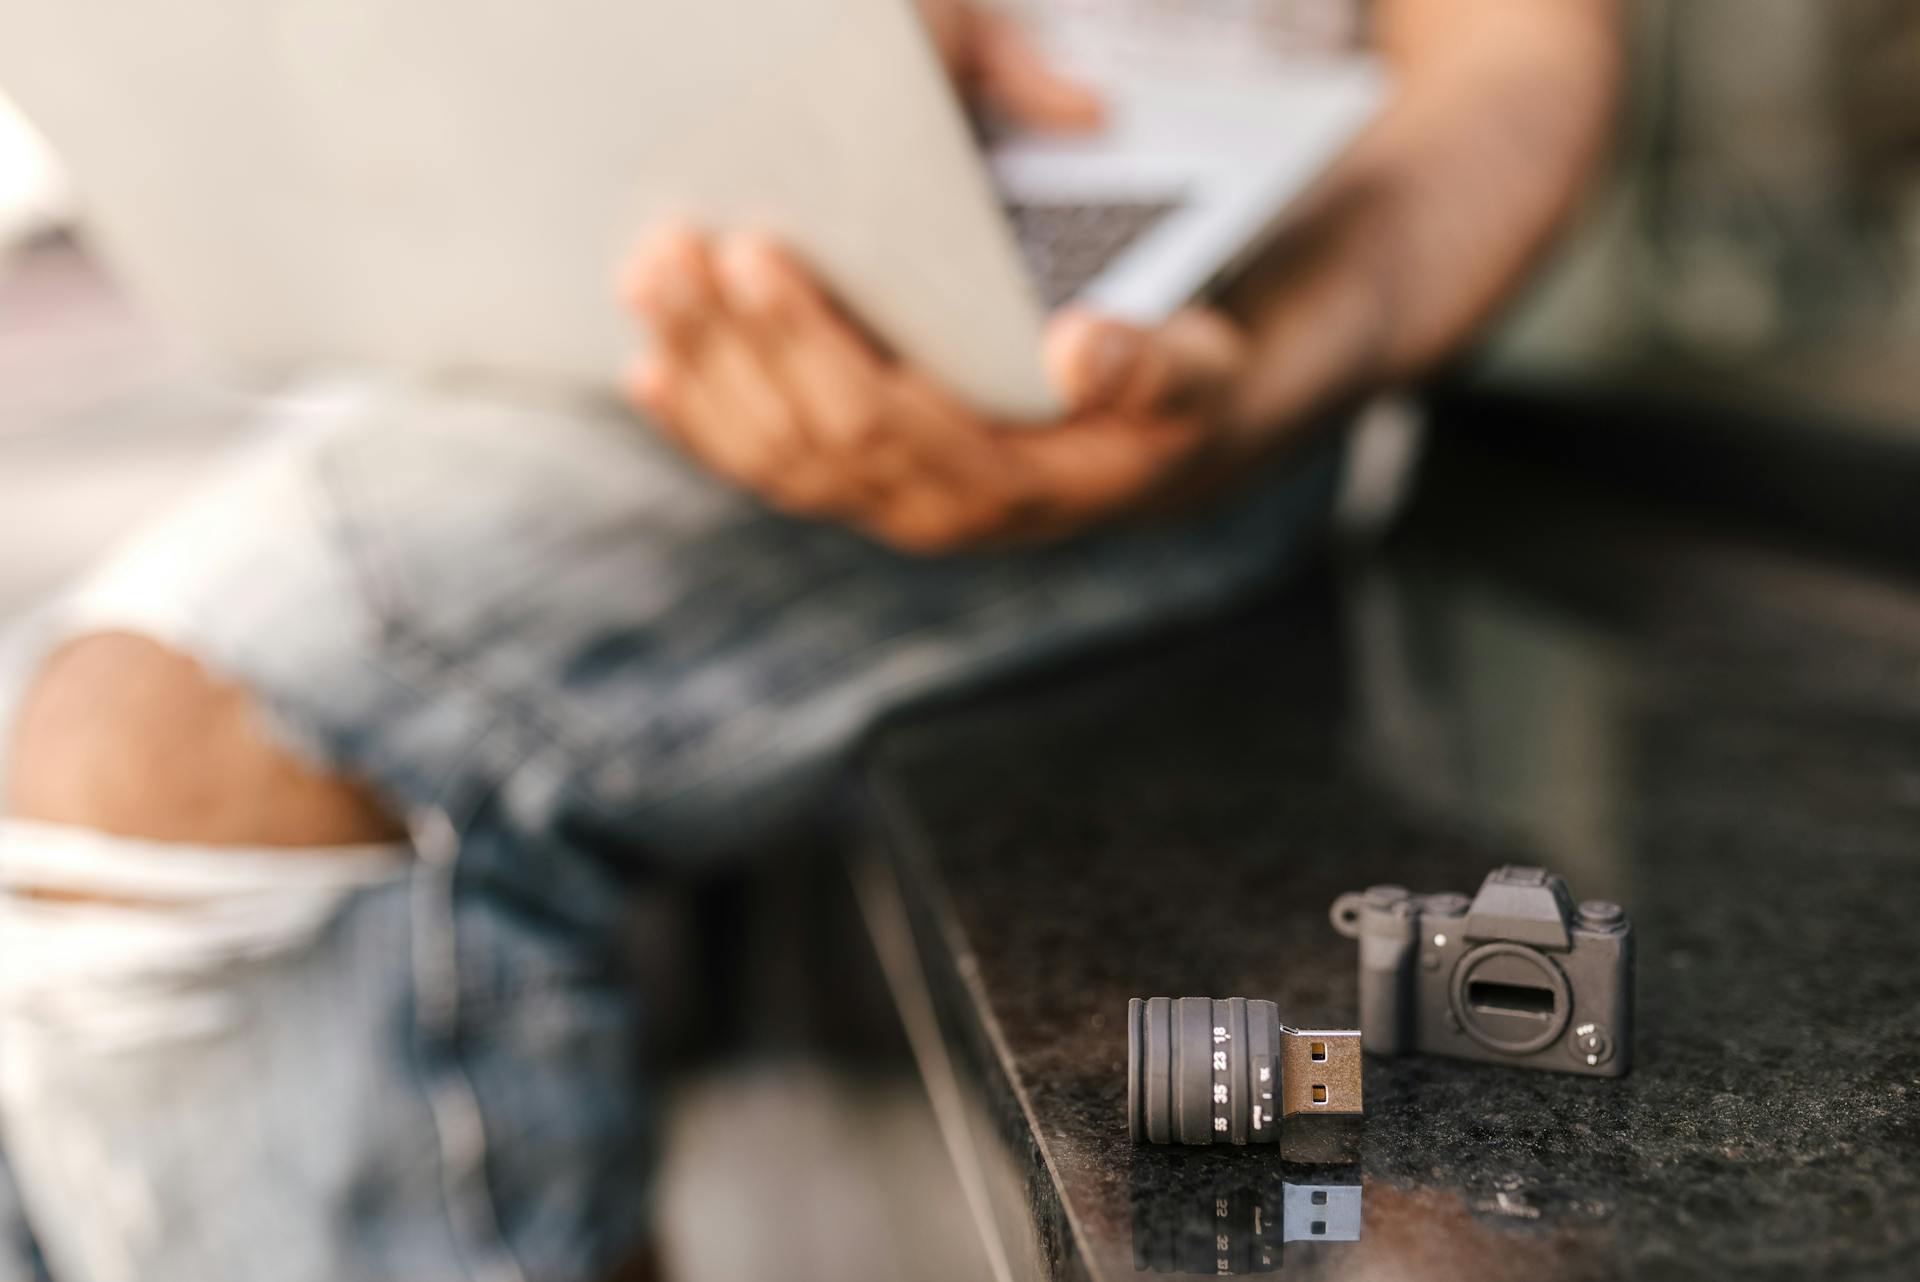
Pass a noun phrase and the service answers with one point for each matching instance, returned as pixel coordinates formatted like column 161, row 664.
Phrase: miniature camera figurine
column 1518, row 976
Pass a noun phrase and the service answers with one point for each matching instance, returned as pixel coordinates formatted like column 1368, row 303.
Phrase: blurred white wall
column 33, row 193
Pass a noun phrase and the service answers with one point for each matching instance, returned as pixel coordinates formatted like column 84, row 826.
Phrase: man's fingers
column 760, row 377
column 835, row 379
column 1094, row 467
column 732, row 399
column 958, row 450
column 764, row 429
column 686, row 411
column 925, row 520
column 1092, row 359
column 649, row 388
column 898, row 442
column 669, row 284
column 1158, row 418
column 704, row 378
column 1204, row 356
column 1011, row 73
column 1102, row 365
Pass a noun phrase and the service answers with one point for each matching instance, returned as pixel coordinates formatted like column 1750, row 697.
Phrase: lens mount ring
column 1539, row 962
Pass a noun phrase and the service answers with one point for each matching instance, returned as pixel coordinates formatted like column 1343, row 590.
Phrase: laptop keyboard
column 1067, row 245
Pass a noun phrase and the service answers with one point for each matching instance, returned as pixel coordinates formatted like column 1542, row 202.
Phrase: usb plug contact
column 1319, row 1071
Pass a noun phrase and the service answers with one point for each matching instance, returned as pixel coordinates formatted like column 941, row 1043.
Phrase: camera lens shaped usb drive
column 1206, row 1071
column 1518, row 975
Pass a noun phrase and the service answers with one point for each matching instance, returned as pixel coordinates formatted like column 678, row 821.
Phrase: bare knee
column 122, row 735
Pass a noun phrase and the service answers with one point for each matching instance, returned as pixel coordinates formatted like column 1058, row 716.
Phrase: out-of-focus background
column 1756, row 249
column 1761, row 239
column 1757, row 244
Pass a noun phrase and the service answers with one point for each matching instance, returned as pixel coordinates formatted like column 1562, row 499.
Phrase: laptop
column 445, row 189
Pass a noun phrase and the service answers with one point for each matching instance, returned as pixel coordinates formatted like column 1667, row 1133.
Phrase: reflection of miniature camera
column 1518, row 976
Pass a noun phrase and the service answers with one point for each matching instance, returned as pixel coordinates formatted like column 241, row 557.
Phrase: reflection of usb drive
column 1320, row 1213
column 1232, row 1230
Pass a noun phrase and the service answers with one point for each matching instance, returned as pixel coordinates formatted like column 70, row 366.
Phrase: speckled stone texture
column 1722, row 734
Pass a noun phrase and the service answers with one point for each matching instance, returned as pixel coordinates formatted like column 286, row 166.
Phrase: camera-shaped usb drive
column 1516, row 976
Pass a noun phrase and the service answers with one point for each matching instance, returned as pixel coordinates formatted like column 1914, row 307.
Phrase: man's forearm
column 1501, row 115
column 1506, row 114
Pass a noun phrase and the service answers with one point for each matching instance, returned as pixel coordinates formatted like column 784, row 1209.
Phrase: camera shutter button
column 1601, row 914
column 1384, row 897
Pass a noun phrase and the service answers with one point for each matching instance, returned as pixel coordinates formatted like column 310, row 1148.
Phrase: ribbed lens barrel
column 1203, row 1071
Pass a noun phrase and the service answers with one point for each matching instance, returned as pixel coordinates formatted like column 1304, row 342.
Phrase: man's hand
column 757, row 375
column 1407, row 247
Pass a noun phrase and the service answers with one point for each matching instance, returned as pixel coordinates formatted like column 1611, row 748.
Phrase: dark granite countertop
column 1722, row 734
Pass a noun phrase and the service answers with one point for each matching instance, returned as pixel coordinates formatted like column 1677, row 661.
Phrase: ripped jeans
column 575, row 663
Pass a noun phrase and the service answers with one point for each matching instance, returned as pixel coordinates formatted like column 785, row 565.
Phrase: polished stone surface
column 1721, row 734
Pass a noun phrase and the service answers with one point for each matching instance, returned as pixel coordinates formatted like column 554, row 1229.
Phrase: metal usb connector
column 1319, row 1071
column 1206, row 1070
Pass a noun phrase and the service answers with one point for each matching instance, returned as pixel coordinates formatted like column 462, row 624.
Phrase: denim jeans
column 574, row 663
